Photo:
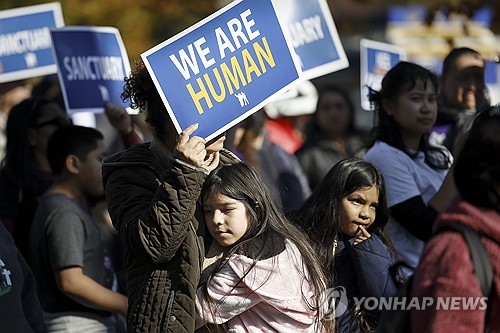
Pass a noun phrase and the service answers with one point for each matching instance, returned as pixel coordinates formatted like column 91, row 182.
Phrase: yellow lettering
column 218, row 97
column 197, row 96
column 267, row 54
column 250, row 65
column 232, row 76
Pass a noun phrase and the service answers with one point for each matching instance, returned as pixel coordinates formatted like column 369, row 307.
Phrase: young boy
column 72, row 269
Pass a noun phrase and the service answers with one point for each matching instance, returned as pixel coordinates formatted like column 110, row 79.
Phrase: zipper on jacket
column 169, row 309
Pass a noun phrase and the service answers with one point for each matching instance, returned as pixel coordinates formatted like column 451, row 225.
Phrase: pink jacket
column 268, row 299
column 446, row 270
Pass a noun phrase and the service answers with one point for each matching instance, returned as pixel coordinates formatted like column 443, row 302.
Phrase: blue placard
column 313, row 34
column 25, row 45
column 92, row 64
column 376, row 59
column 491, row 72
column 224, row 68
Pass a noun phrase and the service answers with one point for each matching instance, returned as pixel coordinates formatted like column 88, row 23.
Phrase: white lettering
column 223, row 43
column 234, row 26
column 187, row 62
column 249, row 24
column 358, row 301
column 94, row 68
column 306, row 31
column 25, row 41
column 202, row 52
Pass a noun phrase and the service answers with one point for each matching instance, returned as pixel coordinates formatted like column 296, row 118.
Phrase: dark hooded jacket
column 363, row 270
column 153, row 205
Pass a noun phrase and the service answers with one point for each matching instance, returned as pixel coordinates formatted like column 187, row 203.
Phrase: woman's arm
column 153, row 214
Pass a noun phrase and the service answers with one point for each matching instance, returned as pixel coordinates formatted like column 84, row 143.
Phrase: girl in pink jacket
column 268, row 279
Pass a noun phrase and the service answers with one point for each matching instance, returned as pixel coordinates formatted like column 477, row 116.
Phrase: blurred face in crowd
column 14, row 96
column 359, row 209
column 90, row 173
column 414, row 110
column 464, row 86
column 51, row 117
column 226, row 218
column 333, row 115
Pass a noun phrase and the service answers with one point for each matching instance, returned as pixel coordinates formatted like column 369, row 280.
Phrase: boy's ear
column 72, row 164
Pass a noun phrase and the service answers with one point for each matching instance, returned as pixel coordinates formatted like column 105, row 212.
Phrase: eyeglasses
column 59, row 122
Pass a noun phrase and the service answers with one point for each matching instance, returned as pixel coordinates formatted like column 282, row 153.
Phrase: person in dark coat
column 345, row 217
column 152, row 191
column 20, row 310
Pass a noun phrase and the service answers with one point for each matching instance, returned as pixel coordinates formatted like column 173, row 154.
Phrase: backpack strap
column 479, row 256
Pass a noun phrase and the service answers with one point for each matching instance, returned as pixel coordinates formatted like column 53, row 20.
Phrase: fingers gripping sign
column 191, row 150
column 364, row 235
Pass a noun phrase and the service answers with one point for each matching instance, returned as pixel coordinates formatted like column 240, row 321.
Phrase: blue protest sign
column 92, row 64
column 313, row 34
column 25, row 46
column 376, row 59
column 224, row 68
column 492, row 72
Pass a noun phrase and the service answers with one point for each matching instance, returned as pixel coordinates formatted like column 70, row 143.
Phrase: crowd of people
column 239, row 234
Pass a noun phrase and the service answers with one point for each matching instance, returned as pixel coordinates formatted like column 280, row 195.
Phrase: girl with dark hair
column 25, row 172
column 330, row 134
column 345, row 218
column 269, row 278
column 416, row 172
column 446, row 269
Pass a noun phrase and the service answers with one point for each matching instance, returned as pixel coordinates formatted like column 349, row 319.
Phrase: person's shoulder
column 139, row 153
column 385, row 154
column 56, row 200
column 56, row 207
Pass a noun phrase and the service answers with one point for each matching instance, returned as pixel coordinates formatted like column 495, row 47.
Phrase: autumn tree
column 142, row 23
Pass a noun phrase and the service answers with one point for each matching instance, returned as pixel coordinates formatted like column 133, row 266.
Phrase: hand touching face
column 359, row 211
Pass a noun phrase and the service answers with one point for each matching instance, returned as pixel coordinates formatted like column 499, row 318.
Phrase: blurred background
column 426, row 29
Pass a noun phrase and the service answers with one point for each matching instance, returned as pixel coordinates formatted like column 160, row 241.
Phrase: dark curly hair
column 140, row 92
